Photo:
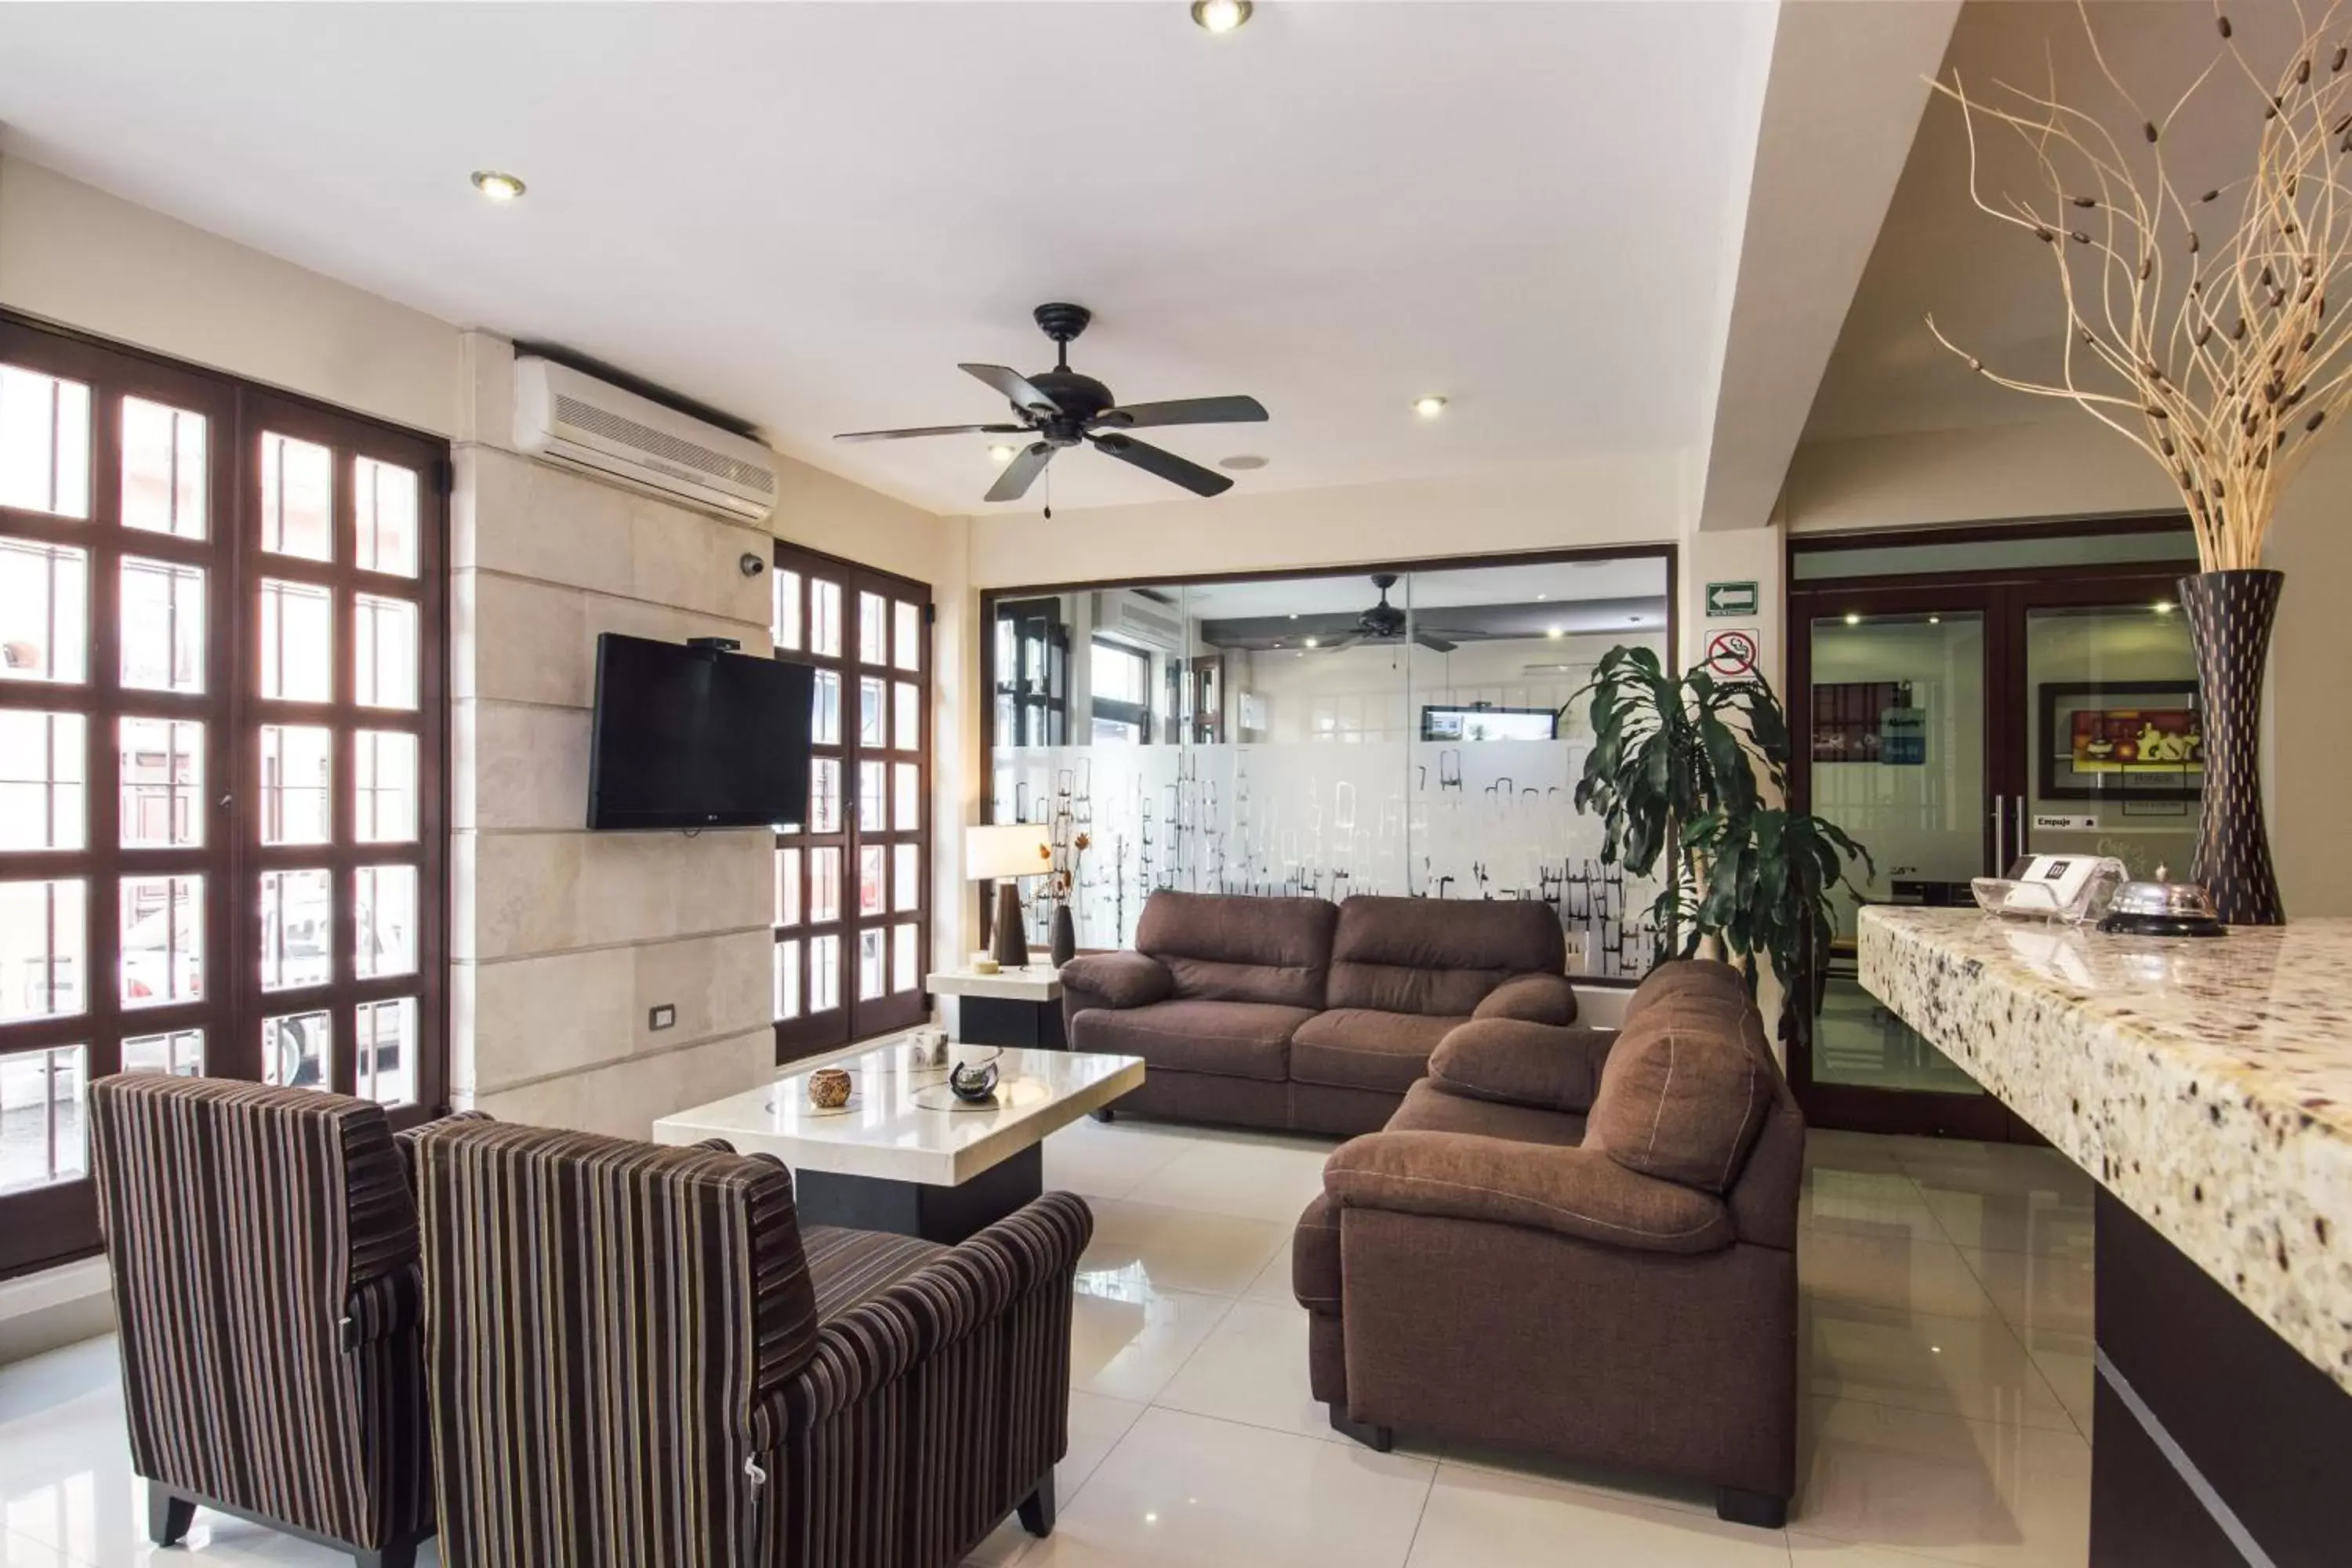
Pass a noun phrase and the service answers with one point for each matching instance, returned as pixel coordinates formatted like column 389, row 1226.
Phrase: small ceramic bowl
column 828, row 1089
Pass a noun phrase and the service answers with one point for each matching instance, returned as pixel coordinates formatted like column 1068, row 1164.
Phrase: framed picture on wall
column 2128, row 740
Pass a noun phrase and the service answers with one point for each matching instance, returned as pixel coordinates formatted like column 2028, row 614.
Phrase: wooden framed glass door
column 223, row 728
column 853, row 882
column 1936, row 721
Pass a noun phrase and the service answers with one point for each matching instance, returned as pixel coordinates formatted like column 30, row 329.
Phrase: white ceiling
column 1991, row 288
column 806, row 214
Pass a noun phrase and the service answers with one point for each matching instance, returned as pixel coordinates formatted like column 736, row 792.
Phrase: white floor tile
column 1821, row 1551
column 23, row 1552
column 1266, row 1182
column 1183, row 1249
column 1919, row 1361
column 1477, row 1519
column 1096, row 1423
column 1100, row 1162
column 1187, row 1489
column 1997, row 1494
column 1253, row 1369
column 1127, row 1340
column 1643, row 1487
column 1273, row 1281
column 1893, row 1272
column 2037, row 1294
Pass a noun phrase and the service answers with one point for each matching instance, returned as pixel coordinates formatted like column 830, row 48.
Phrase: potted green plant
column 1694, row 771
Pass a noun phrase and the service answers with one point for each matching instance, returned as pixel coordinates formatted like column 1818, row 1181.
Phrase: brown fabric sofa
column 1296, row 1013
column 1576, row 1243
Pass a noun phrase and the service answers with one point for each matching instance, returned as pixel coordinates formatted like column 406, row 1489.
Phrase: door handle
column 2001, row 835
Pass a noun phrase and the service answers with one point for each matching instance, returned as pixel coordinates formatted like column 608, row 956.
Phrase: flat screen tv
column 695, row 737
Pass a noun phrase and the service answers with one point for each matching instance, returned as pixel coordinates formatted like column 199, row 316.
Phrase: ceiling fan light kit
column 1062, row 407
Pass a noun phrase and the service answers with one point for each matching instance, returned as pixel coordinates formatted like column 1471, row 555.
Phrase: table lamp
column 1003, row 852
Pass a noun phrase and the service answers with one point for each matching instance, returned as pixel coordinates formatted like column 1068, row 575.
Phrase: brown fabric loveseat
column 1575, row 1242
column 1297, row 1012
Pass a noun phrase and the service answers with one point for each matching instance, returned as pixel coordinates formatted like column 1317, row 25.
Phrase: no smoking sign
column 1732, row 655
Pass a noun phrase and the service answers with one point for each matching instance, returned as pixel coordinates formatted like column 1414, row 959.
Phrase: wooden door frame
column 2003, row 597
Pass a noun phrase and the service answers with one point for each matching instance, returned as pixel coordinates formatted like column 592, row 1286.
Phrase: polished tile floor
column 1947, row 1350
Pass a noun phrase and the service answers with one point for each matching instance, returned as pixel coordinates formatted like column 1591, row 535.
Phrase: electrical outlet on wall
column 662, row 1017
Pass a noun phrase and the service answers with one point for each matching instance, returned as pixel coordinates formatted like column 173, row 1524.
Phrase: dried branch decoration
column 2211, row 348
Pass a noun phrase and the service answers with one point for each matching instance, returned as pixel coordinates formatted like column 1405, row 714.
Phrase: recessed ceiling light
column 1543, row 596
column 1242, row 462
column 1429, row 407
column 1935, row 620
column 998, row 452
column 498, row 186
column 1554, row 632
column 2164, row 606
column 1221, row 16
column 1312, row 642
column 1851, row 619
column 1293, row 615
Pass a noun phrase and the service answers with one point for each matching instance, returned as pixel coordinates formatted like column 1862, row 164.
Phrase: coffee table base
column 944, row 1214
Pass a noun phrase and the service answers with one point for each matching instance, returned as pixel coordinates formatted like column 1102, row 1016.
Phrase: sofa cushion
column 1682, row 1096
column 1522, row 1063
column 1577, row 1193
column 852, row 1266
column 1231, row 1039
column 1687, row 978
column 1236, row 948
column 1438, row 956
column 1118, row 979
column 1357, row 1048
column 1535, row 999
column 1429, row 1108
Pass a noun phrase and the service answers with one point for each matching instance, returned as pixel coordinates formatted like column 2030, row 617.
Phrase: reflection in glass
column 385, row 497
column 824, row 885
column 902, row 957
column 296, row 785
column 44, row 442
column 872, row 629
column 385, row 1043
column 871, row 979
column 297, row 930
column 44, row 949
column 162, row 468
column 825, row 794
column 906, row 795
column 788, row 887
column 824, row 618
column 873, row 890
column 824, row 709
column 298, row 642
column 162, row 626
column 384, row 921
column 294, row 1050
column 873, row 718
column 906, row 892
column 824, row 974
column 162, row 774
column 41, row 780
column 298, row 497
column 911, row 635
column 179, row 1052
column 872, row 808
column 162, row 941
column 787, row 981
column 385, row 767
column 383, row 643
column 908, row 698
column 784, row 613
column 43, row 1106
column 44, row 612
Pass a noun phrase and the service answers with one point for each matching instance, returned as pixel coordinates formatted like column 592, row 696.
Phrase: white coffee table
column 892, row 1161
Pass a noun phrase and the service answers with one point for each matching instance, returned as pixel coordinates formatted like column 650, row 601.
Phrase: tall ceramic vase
column 1065, row 936
column 2230, row 616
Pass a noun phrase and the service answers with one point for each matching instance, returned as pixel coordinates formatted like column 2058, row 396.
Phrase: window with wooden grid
column 222, row 750
column 851, row 883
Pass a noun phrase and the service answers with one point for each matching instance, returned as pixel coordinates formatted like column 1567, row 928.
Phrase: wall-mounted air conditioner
column 572, row 418
column 1130, row 617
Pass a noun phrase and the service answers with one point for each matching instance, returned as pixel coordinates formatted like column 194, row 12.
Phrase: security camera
column 752, row 565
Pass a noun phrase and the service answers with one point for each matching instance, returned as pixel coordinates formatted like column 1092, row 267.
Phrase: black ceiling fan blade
column 1166, row 465
column 1185, row 411
column 933, row 431
column 1014, row 386
column 1434, row 643
column 1022, row 472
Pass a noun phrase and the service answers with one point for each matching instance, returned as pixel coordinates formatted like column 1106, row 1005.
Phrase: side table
column 1020, row 1007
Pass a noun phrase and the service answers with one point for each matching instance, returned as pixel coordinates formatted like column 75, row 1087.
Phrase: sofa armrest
column 1578, row 1192
column 1519, row 1063
column 1537, row 998
column 1116, row 980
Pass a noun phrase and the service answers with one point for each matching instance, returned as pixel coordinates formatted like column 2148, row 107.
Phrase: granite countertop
column 2206, row 1083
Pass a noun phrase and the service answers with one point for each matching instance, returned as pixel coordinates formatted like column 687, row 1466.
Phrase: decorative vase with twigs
column 2206, row 338
column 1064, row 884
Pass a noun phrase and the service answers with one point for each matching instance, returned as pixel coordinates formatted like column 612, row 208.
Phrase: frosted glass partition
column 1323, row 735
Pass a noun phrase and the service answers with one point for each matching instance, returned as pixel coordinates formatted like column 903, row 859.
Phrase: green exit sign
column 1731, row 598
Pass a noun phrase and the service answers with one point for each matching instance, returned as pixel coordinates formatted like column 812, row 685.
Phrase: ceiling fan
column 1060, row 407
column 1385, row 623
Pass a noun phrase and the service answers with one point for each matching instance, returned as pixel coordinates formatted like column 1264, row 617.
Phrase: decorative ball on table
column 828, row 1089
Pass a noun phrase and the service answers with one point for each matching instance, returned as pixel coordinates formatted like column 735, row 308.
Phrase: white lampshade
column 1000, row 849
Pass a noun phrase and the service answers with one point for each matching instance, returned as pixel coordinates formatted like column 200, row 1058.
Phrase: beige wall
column 2068, row 466
column 79, row 258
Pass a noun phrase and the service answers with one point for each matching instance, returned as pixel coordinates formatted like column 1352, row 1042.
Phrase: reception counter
column 2208, row 1086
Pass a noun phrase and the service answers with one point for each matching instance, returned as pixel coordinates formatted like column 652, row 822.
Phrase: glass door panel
column 2114, row 759
column 1897, row 742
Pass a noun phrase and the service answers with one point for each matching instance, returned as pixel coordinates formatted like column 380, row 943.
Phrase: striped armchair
column 637, row 1358
column 264, row 1250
